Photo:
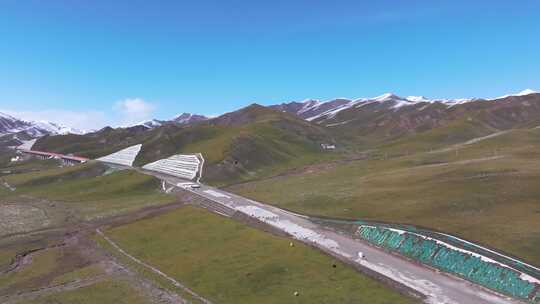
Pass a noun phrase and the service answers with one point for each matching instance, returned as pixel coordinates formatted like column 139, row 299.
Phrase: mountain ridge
column 313, row 109
column 308, row 109
column 180, row 119
column 12, row 125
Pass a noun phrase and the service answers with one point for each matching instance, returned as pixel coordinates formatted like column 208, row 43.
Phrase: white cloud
column 134, row 110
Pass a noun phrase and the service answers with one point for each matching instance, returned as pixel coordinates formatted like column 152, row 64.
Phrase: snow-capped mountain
column 310, row 108
column 181, row 119
column 12, row 125
column 188, row 118
column 313, row 110
column 390, row 116
column 150, row 124
column 51, row 128
column 522, row 93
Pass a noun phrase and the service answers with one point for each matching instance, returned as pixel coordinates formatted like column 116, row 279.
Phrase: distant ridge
column 313, row 109
column 13, row 125
column 181, row 119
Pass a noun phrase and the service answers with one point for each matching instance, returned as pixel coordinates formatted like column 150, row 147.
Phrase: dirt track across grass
column 29, row 277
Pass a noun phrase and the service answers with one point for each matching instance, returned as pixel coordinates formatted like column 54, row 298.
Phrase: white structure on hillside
column 328, row 146
column 124, row 157
column 188, row 166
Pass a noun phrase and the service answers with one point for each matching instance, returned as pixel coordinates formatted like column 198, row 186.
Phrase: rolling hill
column 251, row 142
column 416, row 122
column 259, row 141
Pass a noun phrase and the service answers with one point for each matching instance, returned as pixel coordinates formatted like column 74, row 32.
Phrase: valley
column 269, row 152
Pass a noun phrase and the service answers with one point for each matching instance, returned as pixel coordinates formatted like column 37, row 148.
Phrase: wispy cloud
column 133, row 110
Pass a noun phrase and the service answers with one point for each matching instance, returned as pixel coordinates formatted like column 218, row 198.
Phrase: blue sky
column 91, row 63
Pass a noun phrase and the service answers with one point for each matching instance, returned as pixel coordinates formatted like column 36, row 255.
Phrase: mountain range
column 391, row 120
column 258, row 141
column 182, row 119
column 316, row 110
column 311, row 110
column 12, row 125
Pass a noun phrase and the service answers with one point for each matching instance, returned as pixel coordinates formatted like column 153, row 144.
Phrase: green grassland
column 86, row 191
column 486, row 191
column 85, row 272
column 42, row 264
column 455, row 132
column 229, row 262
column 30, row 165
column 10, row 247
column 5, row 156
column 50, row 175
column 6, row 256
column 108, row 291
column 48, row 269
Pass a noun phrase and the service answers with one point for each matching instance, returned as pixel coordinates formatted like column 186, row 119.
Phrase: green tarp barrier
column 463, row 264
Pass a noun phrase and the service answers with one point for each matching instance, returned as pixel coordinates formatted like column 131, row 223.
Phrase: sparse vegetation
column 83, row 191
column 30, row 165
column 75, row 193
column 107, row 291
column 43, row 263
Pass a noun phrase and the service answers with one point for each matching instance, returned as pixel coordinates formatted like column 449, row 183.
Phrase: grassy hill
column 484, row 190
column 93, row 145
column 465, row 169
column 470, row 170
column 424, row 126
column 252, row 142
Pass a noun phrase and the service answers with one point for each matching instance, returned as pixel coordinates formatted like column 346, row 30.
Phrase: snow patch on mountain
column 417, row 99
column 55, row 129
column 11, row 125
column 6, row 116
column 150, row 124
column 309, row 105
column 526, row 92
column 522, row 93
column 181, row 119
column 314, row 109
column 386, row 97
column 332, row 112
column 187, row 118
